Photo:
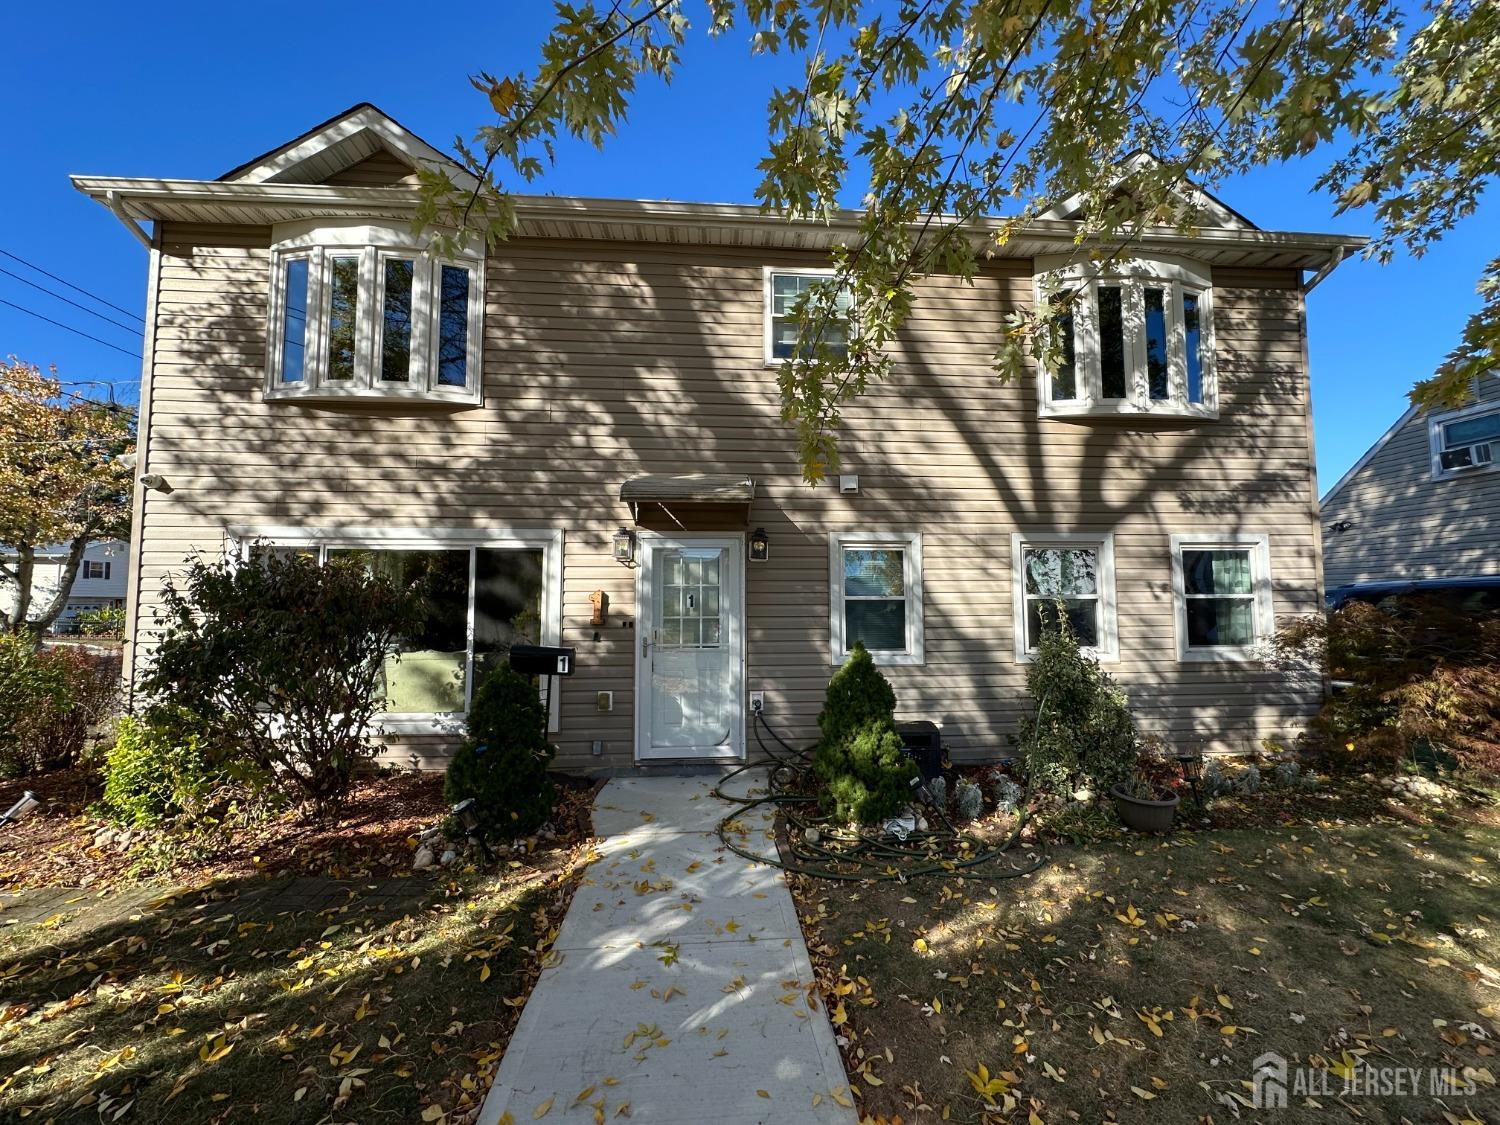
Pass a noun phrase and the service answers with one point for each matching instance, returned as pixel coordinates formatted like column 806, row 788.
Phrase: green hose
column 863, row 855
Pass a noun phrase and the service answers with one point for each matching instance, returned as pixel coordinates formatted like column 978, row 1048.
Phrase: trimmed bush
column 152, row 775
column 51, row 699
column 866, row 776
column 503, row 762
column 1080, row 731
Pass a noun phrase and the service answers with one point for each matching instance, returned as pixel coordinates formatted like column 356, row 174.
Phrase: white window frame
column 240, row 541
column 1435, row 424
column 768, row 288
column 1259, row 545
column 1108, row 649
column 372, row 244
column 1177, row 276
column 909, row 542
column 88, row 570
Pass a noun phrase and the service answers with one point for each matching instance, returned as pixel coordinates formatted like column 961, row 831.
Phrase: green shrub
column 503, row 762
column 107, row 621
column 152, row 775
column 50, row 701
column 866, row 776
column 280, row 663
column 1080, row 730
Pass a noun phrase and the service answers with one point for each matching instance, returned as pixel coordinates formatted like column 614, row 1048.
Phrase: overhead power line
column 68, row 327
column 69, row 300
column 70, row 285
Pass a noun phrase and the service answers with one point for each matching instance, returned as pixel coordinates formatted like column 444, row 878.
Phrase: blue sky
column 184, row 90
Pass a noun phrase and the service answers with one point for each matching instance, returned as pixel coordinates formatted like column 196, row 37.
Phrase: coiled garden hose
column 856, row 855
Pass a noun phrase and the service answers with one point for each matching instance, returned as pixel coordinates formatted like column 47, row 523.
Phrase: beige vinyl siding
column 383, row 169
column 604, row 361
column 1406, row 525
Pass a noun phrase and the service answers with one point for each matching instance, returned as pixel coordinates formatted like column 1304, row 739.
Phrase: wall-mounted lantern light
column 624, row 541
column 759, row 545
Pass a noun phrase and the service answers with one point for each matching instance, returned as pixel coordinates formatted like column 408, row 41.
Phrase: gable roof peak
column 342, row 141
column 1213, row 210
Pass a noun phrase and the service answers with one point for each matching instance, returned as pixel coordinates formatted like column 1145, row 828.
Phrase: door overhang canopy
column 690, row 501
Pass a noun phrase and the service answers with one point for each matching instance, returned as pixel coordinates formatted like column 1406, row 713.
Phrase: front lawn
column 1137, row 979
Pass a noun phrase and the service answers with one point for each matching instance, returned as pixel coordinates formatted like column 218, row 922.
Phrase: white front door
column 690, row 652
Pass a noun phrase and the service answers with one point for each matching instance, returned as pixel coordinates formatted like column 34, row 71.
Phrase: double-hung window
column 1465, row 441
column 875, row 596
column 1134, row 337
column 1071, row 575
column 96, row 570
column 480, row 594
column 1221, row 588
column 364, row 311
column 784, row 336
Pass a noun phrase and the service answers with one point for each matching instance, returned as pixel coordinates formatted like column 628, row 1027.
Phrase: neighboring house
column 101, row 582
column 589, row 417
column 1421, row 509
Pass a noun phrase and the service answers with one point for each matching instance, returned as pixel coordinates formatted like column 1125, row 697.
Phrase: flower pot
column 1144, row 816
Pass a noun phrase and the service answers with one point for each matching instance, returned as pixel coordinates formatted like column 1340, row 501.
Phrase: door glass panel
column 693, row 659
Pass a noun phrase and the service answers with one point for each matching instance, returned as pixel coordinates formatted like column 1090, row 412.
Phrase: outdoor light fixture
column 156, row 482
column 624, row 541
column 26, row 804
column 759, row 545
column 467, row 814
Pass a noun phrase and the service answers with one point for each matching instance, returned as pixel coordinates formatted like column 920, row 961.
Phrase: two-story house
column 100, row 583
column 575, row 439
column 1421, row 509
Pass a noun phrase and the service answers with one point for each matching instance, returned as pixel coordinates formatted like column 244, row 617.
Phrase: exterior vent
column 1467, row 457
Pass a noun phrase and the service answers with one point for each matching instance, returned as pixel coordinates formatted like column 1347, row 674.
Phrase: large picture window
column 1221, row 589
column 875, row 596
column 365, row 312
column 1069, row 574
column 478, row 599
column 1135, row 339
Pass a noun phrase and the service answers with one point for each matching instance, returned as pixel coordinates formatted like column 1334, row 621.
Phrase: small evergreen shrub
column 968, row 800
column 866, row 775
column 152, row 775
column 1080, row 731
column 503, row 762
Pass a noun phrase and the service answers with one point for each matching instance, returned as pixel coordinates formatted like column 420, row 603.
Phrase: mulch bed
column 372, row 836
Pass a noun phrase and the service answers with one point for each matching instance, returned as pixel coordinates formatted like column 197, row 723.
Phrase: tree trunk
column 25, row 571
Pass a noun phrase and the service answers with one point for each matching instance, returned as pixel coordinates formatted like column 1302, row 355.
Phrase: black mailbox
column 923, row 743
column 539, row 660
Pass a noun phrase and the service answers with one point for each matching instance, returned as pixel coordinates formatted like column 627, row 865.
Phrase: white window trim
column 768, row 273
column 240, row 540
column 1435, row 424
column 88, row 570
column 1260, row 576
column 319, row 243
column 1177, row 276
column 1108, row 650
column 911, row 544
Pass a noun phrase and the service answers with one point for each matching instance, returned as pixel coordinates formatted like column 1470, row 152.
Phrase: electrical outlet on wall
column 757, row 701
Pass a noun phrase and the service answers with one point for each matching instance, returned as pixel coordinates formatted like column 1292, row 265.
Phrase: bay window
column 1221, row 589
column 1135, row 339
column 364, row 312
column 480, row 594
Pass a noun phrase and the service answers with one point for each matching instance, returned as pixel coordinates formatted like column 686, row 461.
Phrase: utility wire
column 70, row 285
column 68, row 327
column 69, row 300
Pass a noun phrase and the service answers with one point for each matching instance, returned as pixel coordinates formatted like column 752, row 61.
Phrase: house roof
column 288, row 183
column 1197, row 200
column 1380, row 443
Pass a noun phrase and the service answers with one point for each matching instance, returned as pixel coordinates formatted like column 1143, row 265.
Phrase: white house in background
column 99, row 584
column 1421, row 509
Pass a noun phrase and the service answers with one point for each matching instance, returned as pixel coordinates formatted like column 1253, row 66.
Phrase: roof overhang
column 689, row 501
column 663, row 221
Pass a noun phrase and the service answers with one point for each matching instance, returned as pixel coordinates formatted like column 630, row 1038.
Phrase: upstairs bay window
column 364, row 312
column 1135, row 339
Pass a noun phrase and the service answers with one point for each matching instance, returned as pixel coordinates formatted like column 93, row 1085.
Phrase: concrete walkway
column 682, row 985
